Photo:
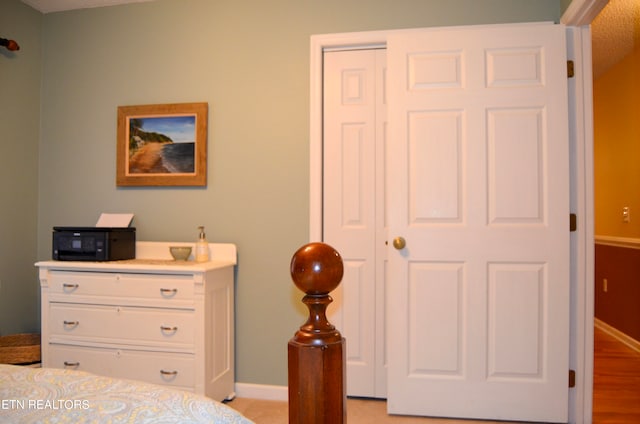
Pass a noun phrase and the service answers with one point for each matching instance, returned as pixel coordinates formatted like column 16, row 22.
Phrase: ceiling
column 48, row 6
column 615, row 31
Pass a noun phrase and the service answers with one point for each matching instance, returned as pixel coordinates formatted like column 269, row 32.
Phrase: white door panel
column 353, row 211
column 478, row 300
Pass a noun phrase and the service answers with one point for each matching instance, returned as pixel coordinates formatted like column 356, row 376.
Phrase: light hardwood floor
column 616, row 394
column 616, row 381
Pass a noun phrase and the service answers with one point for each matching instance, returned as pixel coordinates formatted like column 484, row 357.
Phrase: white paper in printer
column 114, row 220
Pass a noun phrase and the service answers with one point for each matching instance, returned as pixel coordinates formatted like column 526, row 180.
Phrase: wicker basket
column 20, row 349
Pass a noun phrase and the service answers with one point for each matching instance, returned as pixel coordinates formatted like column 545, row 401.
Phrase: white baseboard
column 262, row 391
column 619, row 335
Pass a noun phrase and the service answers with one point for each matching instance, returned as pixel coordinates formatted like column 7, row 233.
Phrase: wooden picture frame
column 162, row 145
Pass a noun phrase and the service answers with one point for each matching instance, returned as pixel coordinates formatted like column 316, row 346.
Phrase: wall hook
column 9, row 44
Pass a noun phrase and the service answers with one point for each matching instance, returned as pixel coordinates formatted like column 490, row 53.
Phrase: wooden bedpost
column 317, row 392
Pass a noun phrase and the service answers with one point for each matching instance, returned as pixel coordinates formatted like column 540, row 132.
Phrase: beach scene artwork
column 162, row 144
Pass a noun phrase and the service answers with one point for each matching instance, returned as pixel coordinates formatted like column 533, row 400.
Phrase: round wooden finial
column 316, row 268
column 317, row 351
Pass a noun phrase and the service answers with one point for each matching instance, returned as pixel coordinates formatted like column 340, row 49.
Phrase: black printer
column 93, row 243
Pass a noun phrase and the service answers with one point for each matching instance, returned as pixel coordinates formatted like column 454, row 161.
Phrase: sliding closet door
column 353, row 208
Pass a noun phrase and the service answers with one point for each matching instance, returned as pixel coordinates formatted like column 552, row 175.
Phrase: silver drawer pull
column 163, row 372
column 166, row 329
column 71, row 323
column 69, row 286
column 168, row 292
column 71, row 364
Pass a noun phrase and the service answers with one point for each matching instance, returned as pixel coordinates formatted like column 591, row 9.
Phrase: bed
column 47, row 395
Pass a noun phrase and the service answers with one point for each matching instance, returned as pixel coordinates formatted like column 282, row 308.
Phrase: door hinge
column 570, row 69
column 572, row 378
column 573, row 222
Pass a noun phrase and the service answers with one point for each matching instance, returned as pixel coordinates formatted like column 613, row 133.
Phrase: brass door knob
column 399, row 243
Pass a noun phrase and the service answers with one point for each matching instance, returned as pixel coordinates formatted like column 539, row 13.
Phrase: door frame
column 581, row 168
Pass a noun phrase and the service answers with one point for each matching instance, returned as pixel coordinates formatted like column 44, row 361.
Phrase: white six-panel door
column 478, row 300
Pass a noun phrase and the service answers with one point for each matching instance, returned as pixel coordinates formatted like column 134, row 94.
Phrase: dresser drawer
column 174, row 369
column 122, row 325
column 165, row 288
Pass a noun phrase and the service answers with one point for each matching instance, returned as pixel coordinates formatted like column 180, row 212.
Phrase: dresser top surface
column 154, row 257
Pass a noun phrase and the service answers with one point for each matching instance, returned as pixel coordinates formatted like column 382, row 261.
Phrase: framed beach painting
column 162, row 145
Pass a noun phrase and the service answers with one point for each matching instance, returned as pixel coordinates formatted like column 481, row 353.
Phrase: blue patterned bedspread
column 42, row 395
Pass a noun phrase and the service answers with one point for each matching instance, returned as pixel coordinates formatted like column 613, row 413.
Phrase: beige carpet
column 359, row 411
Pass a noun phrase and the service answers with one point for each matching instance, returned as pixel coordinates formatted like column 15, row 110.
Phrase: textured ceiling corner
column 615, row 34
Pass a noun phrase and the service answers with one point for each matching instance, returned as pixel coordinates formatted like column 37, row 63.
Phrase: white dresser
column 149, row 318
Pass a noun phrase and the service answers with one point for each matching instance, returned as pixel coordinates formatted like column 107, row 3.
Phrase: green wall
column 19, row 133
column 248, row 59
column 564, row 4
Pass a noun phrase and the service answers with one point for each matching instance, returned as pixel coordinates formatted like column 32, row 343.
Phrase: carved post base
column 316, row 395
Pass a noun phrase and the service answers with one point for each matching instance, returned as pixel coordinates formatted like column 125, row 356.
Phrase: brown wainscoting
column 617, row 287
